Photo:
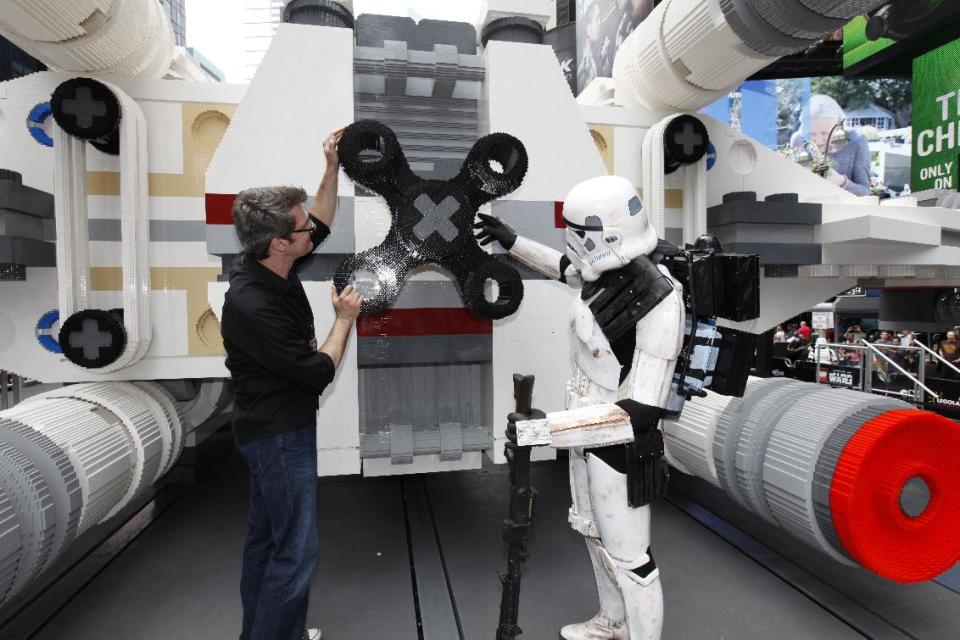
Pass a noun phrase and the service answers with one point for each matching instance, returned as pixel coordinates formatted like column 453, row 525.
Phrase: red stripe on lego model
column 558, row 216
column 865, row 491
column 423, row 322
column 220, row 208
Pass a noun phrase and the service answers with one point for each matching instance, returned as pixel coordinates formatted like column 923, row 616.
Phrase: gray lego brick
column 781, row 271
column 27, row 251
column 222, row 238
column 26, row 200
column 35, row 519
column 794, row 18
column 844, row 8
column 739, row 207
column 410, row 350
column 58, row 475
column 425, row 396
column 401, row 443
column 451, row 441
column 160, row 230
column 740, row 232
column 453, row 438
column 420, row 294
column 13, row 223
column 773, row 253
column 751, row 446
column 534, row 220
column 372, row 30
column 827, row 463
column 757, row 33
column 674, row 235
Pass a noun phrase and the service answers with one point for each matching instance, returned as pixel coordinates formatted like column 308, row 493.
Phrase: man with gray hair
column 279, row 372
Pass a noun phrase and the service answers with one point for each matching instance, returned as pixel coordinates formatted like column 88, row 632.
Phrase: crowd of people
column 801, row 344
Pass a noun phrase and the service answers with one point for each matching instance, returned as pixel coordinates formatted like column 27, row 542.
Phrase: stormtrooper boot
column 643, row 600
column 609, row 623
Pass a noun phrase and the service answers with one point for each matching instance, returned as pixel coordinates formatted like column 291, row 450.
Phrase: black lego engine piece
column 723, row 285
column 513, row 29
column 685, row 141
column 89, row 110
column 432, row 220
column 734, row 361
column 93, row 338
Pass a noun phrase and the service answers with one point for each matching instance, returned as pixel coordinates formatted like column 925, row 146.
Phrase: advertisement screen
column 936, row 119
column 887, row 42
column 602, row 25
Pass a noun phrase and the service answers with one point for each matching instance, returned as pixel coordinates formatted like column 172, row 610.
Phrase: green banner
column 856, row 46
column 936, row 119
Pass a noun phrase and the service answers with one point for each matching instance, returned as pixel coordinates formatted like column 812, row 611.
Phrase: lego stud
column 87, row 109
column 685, row 141
column 93, row 338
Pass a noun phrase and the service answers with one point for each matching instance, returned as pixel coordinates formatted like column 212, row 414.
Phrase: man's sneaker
column 311, row 634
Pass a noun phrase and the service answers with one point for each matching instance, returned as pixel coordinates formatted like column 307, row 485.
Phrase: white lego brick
column 164, row 123
column 745, row 165
column 162, row 254
column 375, row 467
column 876, row 229
column 25, row 302
column 216, row 292
column 536, row 340
column 338, row 462
column 887, row 254
column 627, row 153
column 338, row 420
column 537, row 10
column 168, row 316
column 161, row 208
column 558, row 143
column 302, row 91
column 371, row 219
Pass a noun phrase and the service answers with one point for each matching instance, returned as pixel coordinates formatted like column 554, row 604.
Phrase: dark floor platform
column 418, row 556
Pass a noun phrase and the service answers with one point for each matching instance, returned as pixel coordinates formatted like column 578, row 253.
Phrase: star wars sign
column 839, row 377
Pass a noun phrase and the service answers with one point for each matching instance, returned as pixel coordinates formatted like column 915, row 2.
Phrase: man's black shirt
column 269, row 337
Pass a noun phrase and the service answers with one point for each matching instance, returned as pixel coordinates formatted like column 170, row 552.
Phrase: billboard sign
column 602, row 26
column 936, row 119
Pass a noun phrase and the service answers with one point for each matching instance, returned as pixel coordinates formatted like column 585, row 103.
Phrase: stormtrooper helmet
column 607, row 226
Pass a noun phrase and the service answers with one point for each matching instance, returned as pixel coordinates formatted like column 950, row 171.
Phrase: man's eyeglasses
column 311, row 226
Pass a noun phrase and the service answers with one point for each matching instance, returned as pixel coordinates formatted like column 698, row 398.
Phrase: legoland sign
column 936, row 119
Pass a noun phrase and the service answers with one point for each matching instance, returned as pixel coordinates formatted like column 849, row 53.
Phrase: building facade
column 260, row 21
column 178, row 18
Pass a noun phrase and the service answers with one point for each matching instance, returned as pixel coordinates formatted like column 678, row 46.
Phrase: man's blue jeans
column 282, row 540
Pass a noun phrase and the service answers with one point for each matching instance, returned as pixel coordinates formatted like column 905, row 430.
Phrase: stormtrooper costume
column 628, row 325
